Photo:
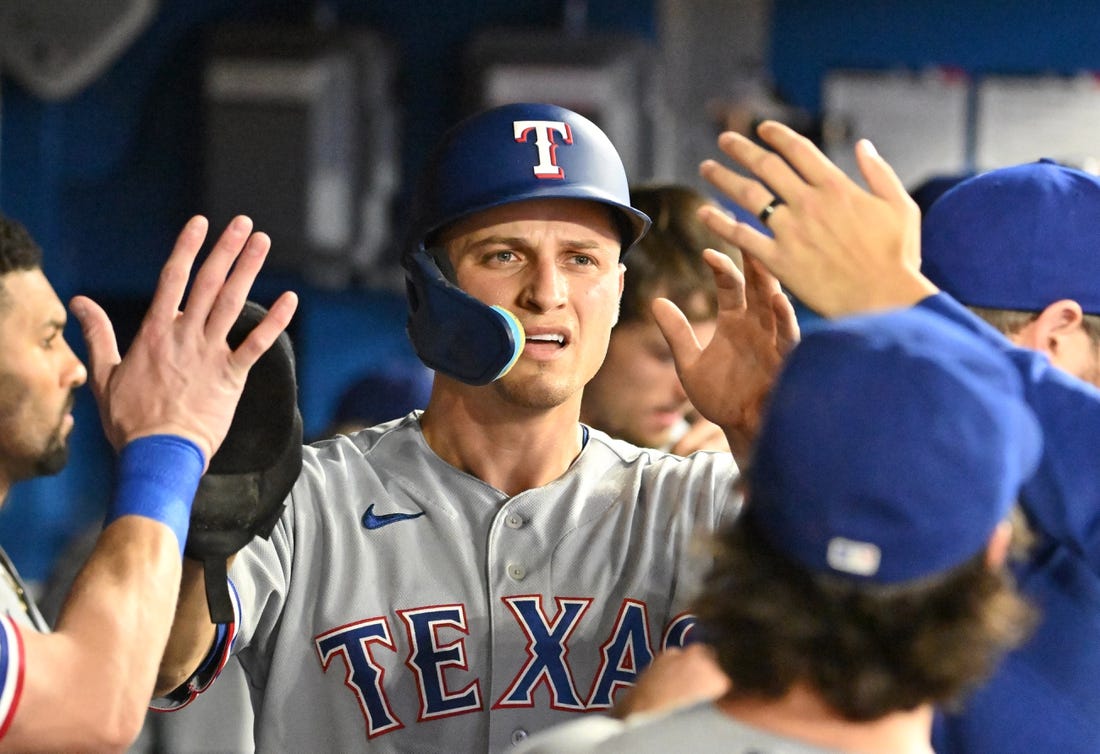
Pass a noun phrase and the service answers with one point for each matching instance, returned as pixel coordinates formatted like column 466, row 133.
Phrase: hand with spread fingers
column 837, row 246
column 180, row 376
column 166, row 407
column 728, row 381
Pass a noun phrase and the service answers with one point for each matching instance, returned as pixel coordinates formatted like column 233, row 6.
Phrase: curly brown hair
column 668, row 260
column 866, row 649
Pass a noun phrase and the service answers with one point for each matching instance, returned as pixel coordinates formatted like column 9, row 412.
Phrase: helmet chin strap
column 454, row 333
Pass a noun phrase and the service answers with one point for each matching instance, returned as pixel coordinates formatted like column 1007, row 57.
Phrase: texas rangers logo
column 544, row 130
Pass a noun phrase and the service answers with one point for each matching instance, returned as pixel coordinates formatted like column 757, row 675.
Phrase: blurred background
column 119, row 119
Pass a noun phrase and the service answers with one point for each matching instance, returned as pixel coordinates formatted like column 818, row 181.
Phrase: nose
column 546, row 288
column 74, row 373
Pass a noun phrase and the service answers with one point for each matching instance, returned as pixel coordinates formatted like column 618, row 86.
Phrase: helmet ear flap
column 454, row 333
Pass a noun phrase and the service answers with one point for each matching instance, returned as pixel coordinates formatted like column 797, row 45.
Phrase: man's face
column 637, row 395
column 554, row 263
column 38, row 377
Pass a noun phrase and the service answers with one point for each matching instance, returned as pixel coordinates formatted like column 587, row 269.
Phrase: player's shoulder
column 393, row 448
column 702, row 728
column 368, row 439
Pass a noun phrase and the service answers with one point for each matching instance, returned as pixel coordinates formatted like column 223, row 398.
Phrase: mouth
column 67, row 420
column 545, row 343
column 557, row 339
column 666, row 417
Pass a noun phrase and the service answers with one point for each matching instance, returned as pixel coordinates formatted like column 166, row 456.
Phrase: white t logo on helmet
column 544, row 140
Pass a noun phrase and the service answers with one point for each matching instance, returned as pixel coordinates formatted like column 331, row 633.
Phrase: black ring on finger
column 766, row 213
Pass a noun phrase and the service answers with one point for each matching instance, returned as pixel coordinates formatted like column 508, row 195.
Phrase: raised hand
column 675, row 678
column 838, row 247
column 728, row 381
column 179, row 375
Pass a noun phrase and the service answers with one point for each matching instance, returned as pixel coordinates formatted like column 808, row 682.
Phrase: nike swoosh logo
column 372, row 520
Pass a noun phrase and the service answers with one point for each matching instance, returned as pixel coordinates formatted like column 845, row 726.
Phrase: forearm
column 740, row 440
column 93, row 677
column 88, row 684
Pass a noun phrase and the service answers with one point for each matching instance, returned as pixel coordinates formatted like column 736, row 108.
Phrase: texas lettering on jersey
column 437, row 657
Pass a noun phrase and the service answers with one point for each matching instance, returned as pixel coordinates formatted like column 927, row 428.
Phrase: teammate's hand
column 728, row 382
column 838, row 247
column 702, row 434
column 180, row 376
column 675, row 678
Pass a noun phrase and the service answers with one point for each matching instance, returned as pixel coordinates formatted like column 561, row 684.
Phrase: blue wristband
column 157, row 478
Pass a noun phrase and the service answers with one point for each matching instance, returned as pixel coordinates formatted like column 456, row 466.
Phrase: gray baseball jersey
column 17, row 613
column 699, row 728
column 404, row 605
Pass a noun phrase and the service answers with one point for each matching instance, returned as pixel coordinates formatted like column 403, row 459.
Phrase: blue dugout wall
column 104, row 180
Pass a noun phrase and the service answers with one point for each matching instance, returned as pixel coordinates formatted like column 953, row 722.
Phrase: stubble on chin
column 539, row 391
column 55, row 456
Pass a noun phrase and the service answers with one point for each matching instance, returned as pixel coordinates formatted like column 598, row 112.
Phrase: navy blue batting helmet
column 508, row 154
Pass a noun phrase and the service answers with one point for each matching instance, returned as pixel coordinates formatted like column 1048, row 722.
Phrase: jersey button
column 517, row 572
column 518, row 736
column 512, row 521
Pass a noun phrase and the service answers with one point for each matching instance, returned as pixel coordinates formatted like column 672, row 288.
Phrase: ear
column 996, row 551
column 1061, row 319
column 1050, row 329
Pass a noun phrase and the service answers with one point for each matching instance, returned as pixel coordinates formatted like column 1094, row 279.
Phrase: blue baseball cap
column 1018, row 238
column 893, row 445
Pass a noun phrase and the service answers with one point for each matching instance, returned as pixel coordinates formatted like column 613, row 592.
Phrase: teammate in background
column 845, row 249
column 492, row 566
column 1035, row 225
column 166, row 408
column 636, row 395
column 849, row 599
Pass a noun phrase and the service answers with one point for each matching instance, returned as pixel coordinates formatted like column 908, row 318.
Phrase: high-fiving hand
column 838, row 247
column 180, row 376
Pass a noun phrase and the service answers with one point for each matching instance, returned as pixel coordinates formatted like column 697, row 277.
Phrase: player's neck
column 510, row 448
column 803, row 716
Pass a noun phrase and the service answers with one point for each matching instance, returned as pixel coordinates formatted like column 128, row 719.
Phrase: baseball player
column 1036, row 228
column 167, row 407
column 855, row 591
column 458, row 578
column 1036, row 225
column 845, row 249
